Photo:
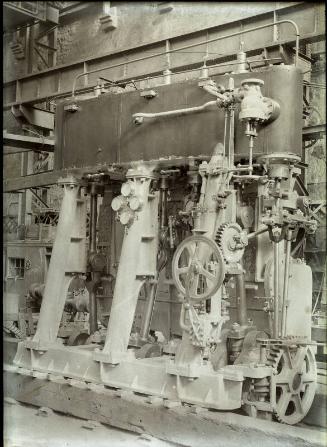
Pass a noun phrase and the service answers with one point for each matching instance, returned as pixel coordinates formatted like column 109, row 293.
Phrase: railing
column 238, row 33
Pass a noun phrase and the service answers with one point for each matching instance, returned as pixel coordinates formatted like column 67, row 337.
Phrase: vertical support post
column 57, row 281
column 93, row 318
column 138, row 261
column 276, row 290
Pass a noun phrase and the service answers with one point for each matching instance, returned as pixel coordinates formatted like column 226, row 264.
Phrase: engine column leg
column 138, row 211
column 68, row 256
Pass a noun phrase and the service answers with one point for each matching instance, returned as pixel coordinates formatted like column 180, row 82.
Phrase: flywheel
column 293, row 383
column 231, row 240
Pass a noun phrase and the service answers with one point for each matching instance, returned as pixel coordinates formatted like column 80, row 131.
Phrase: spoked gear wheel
column 231, row 240
column 293, row 383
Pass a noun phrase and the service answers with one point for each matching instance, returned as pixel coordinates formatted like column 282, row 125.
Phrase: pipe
column 178, row 112
column 241, row 294
column 147, row 78
column 164, row 53
column 286, row 280
column 276, row 291
column 213, row 92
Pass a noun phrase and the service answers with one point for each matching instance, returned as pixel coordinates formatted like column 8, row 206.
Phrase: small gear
column 232, row 241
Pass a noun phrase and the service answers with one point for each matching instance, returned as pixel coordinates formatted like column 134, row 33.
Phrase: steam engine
column 195, row 291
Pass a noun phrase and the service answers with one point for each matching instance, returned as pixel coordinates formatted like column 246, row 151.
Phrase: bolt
column 138, row 120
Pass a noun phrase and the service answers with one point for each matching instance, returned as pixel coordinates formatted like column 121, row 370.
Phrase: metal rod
column 93, row 222
column 149, row 312
column 286, row 281
column 225, row 132
column 164, row 53
column 276, row 291
column 231, row 138
column 93, row 317
column 241, row 294
column 177, row 112
column 256, row 233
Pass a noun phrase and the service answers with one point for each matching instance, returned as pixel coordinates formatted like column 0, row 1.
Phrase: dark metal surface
column 283, row 83
column 103, row 131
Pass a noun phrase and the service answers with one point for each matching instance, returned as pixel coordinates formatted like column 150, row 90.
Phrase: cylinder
column 282, row 83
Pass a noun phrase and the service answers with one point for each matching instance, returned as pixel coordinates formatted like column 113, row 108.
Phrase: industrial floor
column 26, row 426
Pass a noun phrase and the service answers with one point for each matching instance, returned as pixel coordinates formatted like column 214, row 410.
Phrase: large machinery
column 200, row 182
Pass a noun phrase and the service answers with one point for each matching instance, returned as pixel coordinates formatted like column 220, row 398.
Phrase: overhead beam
column 38, row 117
column 58, row 81
column 8, row 150
column 26, row 142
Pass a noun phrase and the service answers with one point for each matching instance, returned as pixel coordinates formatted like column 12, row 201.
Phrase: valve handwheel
column 198, row 268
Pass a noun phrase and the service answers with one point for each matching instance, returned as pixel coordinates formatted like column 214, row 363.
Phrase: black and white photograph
column 164, row 224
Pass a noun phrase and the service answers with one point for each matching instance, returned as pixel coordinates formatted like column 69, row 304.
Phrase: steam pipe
column 185, row 47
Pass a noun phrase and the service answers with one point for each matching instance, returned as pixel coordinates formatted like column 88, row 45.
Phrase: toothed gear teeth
column 225, row 240
column 296, row 394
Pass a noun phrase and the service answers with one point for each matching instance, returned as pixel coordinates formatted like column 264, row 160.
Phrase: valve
column 255, row 107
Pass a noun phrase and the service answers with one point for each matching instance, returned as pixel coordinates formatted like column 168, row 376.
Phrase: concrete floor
column 23, row 427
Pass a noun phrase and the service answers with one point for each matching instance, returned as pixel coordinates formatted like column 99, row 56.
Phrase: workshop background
column 46, row 44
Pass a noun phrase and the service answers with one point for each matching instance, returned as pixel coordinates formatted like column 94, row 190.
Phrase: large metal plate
column 102, row 130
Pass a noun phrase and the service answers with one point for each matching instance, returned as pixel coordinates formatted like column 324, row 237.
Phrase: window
column 16, row 268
